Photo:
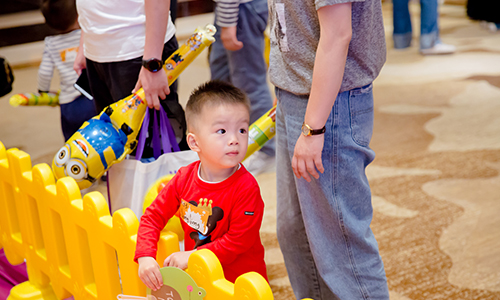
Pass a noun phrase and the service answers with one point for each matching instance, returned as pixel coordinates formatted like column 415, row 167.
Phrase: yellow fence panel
column 74, row 247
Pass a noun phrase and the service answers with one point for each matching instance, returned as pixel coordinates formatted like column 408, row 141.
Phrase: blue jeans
column 429, row 30
column 246, row 68
column 324, row 226
column 75, row 113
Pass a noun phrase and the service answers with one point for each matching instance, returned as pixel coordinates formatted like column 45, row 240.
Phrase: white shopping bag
column 129, row 180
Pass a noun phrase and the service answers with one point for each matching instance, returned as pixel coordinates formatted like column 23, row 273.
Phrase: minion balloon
column 92, row 150
column 106, row 139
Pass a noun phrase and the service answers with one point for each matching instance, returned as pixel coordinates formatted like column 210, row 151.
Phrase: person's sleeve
column 155, row 218
column 226, row 12
column 244, row 226
column 322, row 3
column 45, row 71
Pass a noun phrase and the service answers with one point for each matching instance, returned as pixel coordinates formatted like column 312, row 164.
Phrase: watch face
column 153, row 64
column 306, row 131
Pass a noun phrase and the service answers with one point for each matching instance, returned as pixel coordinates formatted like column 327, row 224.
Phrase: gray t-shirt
column 294, row 38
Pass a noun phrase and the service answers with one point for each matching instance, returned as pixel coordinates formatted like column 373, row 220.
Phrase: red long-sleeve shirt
column 232, row 230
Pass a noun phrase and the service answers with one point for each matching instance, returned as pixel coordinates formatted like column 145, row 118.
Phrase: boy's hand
column 149, row 272
column 229, row 39
column 178, row 259
column 307, row 156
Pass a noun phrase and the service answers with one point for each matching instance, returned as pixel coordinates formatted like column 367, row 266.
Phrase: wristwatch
column 308, row 131
column 153, row 64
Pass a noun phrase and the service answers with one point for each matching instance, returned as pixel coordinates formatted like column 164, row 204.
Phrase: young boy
column 60, row 53
column 220, row 202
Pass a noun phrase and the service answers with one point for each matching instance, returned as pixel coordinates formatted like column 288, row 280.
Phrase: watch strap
column 314, row 131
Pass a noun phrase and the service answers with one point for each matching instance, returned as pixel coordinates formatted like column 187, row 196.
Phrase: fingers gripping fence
column 72, row 246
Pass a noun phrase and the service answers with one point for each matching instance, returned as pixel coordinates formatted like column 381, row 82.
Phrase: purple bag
column 10, row 275
column 143, row 172
column 163, row 137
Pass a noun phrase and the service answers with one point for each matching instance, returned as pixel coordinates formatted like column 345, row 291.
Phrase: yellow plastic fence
column 72, row 246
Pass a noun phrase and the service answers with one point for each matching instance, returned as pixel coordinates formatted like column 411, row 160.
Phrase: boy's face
column 221, row 134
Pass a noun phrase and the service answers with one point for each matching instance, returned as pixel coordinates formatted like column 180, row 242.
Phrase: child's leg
column 74, row 114
column 219, row 68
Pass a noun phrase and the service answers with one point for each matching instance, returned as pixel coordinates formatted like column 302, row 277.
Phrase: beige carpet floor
column 435, row 179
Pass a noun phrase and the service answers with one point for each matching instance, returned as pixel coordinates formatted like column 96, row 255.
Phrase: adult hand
column 80, row 63
column 307, row 156
column 154, row 84
column 229, row 39
column 149, row 272
column 178, row 259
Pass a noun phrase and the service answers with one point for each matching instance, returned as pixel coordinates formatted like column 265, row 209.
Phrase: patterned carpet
column 435, row 180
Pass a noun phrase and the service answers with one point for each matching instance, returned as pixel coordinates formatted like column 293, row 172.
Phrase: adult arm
column 154, row 84
column 329, row 65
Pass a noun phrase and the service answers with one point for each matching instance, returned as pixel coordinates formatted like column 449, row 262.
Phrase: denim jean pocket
column 361, row 109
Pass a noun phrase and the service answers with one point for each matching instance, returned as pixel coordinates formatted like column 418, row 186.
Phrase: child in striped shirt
column 59, row 53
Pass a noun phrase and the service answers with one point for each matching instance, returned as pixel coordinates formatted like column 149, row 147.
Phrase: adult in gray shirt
column 325, row 55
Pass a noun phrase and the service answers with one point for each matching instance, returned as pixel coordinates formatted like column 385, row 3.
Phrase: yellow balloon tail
column 29, row 99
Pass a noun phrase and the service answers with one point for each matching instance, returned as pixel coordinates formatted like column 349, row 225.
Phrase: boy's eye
column 221, row 131
column 243, row 130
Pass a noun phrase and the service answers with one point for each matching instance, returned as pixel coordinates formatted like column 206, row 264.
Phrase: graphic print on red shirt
column 233, row 215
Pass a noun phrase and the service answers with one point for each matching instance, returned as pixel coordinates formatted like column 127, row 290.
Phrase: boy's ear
column 192, row 143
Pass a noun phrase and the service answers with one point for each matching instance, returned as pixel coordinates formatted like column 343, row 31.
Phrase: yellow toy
column 203, row 37
column 107, row 138
column 29, row 99
column 155, row 189
column 261, row 131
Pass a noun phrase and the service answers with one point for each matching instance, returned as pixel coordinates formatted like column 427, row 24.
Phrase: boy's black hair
column 214, row 92
column 59, row 14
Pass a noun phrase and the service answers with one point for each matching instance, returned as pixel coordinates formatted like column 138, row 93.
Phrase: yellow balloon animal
column 31, row 99
column 261, row 131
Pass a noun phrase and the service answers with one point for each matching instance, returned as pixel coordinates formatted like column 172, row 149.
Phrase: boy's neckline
column 236, row 168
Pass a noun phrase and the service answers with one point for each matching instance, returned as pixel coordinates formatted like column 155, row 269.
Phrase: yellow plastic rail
column 74, row 247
